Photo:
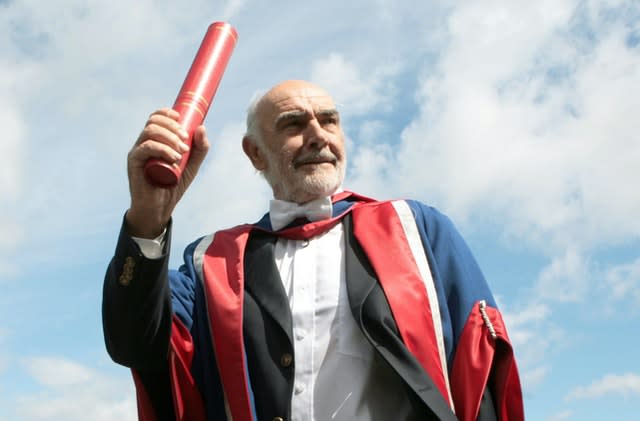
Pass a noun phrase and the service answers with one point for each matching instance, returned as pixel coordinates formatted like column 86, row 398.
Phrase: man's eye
column 293, row 124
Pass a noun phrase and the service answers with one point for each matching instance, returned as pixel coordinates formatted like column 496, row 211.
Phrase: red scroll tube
column 196, row 95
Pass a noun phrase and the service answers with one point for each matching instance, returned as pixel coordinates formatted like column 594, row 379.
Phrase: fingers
column 153, row 149
column 162, row 137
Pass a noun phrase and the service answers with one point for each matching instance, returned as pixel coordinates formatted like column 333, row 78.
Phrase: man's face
column 302, row 142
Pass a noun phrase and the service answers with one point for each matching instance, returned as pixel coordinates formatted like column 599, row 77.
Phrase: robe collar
column 301, row 229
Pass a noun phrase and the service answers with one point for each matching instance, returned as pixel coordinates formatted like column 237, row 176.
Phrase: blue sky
column 518, row 119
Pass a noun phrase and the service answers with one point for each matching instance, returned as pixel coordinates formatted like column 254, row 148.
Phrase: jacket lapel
column 372, row 313
column 263, row 282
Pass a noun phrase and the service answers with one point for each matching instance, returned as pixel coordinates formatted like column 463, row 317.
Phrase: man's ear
column 254, row 153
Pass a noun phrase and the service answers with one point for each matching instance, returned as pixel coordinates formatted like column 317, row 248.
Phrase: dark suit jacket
column 137, row 323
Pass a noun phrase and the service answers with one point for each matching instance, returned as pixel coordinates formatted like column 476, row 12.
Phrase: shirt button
column 286, row 360
column 299, row 389
column 305, row 243
column 300, row 334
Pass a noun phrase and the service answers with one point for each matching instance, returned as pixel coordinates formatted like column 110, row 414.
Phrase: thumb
column 199, row 149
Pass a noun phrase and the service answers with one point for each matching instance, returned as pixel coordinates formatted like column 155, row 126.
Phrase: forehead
column 303, row 98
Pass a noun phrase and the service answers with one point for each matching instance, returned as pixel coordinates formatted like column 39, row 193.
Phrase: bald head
column 267, row 103
column 292, row 88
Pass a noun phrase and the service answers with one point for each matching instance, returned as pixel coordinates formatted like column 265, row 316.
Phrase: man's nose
column 316, row 136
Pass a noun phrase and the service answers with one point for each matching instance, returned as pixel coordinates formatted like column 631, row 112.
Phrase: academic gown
column 214, row 342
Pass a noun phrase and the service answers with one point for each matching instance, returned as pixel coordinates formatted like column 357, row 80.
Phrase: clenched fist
column 163, row 138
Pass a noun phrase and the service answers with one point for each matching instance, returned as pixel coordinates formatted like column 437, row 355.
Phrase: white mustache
column 321, row 156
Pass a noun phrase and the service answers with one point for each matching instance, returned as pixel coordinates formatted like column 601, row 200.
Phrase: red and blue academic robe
column 212, row 342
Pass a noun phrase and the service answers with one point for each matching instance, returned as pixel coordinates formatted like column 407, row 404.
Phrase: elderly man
column 333, row 306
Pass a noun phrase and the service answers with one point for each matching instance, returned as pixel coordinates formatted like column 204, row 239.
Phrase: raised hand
column 162, row 137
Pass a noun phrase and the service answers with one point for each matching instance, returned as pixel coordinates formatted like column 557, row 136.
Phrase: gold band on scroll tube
column 194, row 105
column 228, row 29
column 198, row 97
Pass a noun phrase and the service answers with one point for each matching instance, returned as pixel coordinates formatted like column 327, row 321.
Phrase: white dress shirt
column 338, row 375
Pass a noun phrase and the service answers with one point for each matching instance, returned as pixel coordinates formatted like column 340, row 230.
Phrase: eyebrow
column 290, row 115
column 329, row 112
column 297, row 114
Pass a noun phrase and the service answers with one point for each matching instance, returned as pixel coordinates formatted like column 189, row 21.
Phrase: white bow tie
column 282, row 213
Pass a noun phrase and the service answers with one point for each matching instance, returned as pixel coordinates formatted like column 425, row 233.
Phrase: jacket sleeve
column 483, row 374
column 136, row 306
column 136, row 318
column 146, row 316
column 485, row 365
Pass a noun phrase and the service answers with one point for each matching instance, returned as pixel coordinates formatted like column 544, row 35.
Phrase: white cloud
column 521, row 123
column 13, row 149
column 12, row 169
column 560, row 416
column 367, row 166
column 565, row 279
column 625, row 385
column 534, row 312
column 71, row 391
column 232, row 7
column 574, row 277
column 533, row 334
column 622, row 282
column 355, row 91
column 57, row 371
column 531, row 378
